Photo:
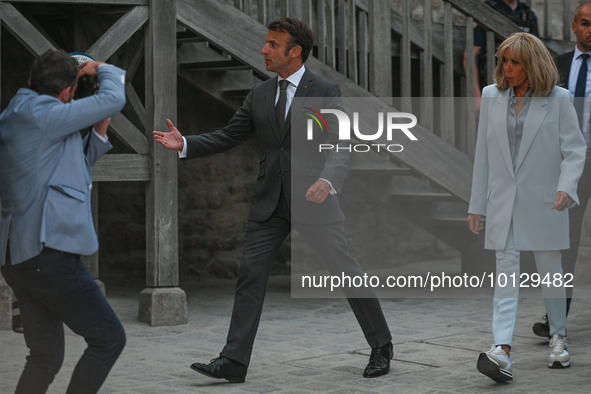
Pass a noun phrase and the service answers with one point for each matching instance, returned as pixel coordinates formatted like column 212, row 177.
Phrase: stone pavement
column 316, row 346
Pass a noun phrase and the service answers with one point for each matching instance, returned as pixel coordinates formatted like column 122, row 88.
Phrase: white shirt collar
column 294, row 78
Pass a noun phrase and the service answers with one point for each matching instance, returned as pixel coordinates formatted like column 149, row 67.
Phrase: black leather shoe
column 379, row 361
column 222, row 368
column 542, row 329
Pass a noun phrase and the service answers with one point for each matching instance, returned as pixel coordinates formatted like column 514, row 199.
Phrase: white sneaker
column 496, row 364
column 559, row 357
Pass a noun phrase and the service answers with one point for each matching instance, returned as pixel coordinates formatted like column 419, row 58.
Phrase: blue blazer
column 45, row 178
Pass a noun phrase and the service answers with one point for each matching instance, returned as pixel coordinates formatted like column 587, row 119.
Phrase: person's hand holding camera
column 89, row 68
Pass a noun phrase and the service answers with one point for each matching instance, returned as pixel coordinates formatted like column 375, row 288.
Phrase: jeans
column 54, row 288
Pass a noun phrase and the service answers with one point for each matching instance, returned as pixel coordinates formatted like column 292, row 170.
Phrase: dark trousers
column 55, row 288
column 575, row 217
column 261, row 243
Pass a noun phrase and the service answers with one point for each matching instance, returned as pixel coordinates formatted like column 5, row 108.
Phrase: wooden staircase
column 428, row 183
column 218, row 44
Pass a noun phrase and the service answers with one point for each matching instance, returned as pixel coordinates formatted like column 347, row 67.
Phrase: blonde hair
column 532, row 54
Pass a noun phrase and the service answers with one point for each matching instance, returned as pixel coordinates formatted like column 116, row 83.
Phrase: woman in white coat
column 530, row 154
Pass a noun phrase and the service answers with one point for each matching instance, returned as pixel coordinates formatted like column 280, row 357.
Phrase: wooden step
column 430, row 156
column 237, row 92
column 375, row 165
column 188, row 37
column 456, row 222
column 381, row 172
column 420, row 197
column 215, row 65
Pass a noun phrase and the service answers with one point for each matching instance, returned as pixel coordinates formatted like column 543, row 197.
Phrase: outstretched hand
column 172, row 140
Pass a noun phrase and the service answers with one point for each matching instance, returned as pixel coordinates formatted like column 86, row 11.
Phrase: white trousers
column 506, row 297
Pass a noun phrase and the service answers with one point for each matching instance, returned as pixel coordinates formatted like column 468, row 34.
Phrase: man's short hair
column 53, row 72
column 578, row 9
column 300, row 33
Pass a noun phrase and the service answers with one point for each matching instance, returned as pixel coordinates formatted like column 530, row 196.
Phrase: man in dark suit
column 575, row 75
column 314, row 208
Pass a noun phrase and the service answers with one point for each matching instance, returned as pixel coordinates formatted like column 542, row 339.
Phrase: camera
column 87, row 84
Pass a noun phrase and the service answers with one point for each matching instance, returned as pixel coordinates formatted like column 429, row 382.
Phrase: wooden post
column 352, row 41
column 380, row 44
column 491, row 49
column 321, row 30
column 5, row 293
column 548, row 19
column 92, row 261
column 566, row 20
column 448, row 130
column 270, row 11
column 307, row 12
column 247, row 7
column 341, row 37
column 470, row 104
column 363, row 51
column 330, row 34
column 162, row 302
column 405, row 73
column 262, row 11
column 284, row 8
column 427, row 67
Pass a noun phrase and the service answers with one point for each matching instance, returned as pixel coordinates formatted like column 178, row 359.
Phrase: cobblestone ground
column 316, row 346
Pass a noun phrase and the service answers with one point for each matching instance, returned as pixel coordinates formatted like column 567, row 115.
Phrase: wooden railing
column 353, row 37
column 549, row 15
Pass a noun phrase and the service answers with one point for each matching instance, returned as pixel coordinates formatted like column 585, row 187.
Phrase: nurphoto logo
column 345, row 130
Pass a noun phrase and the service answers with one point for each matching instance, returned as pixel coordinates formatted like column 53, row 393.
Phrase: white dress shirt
column 294, row 81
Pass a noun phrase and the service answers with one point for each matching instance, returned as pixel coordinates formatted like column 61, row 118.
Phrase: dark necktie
column 281, row 103
column 580, row 89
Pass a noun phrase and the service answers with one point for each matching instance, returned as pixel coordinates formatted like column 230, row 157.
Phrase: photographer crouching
column 45, row 188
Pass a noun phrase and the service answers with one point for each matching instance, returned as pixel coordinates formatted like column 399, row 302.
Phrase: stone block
column 163, row 306
column 5, row 306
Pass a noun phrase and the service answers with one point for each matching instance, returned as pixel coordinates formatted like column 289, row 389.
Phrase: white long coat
column 551, row 159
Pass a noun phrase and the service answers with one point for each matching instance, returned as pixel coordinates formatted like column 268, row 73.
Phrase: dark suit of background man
column 45, row 184
column 266, row 112
column 517, row 12
column 575, row 70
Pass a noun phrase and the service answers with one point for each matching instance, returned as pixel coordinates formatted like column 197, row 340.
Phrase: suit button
column 279, row 171
column 282, row 149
